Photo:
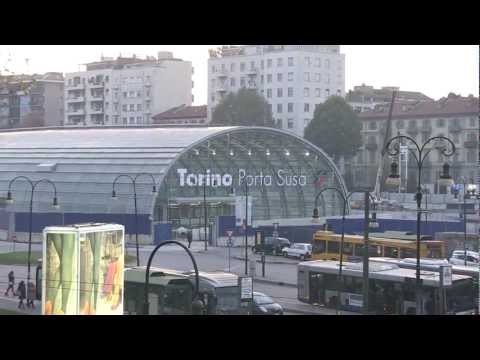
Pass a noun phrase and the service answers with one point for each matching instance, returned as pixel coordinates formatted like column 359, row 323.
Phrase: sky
column 435, row 70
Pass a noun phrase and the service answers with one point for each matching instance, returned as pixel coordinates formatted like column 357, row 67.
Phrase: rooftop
column 447, row 106
column 182, row 112
column 365, row 93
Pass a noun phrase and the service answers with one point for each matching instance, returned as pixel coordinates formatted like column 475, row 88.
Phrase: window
column 279, row 92
column 214, row 69
column 106, row 118
column 306, row 92
column 372, row 125
column 306, row 76
column 232, row 82
column 319, row 246
column 290, row 76
column 290, row 92
column 213, row 83
column 327, row 63
column 400, row 124
column 279, row 108
column 106, row 105
column 307, row 61
column 279, row 77
column 471, row 156
column 232, row 67
column 139, row 119
column 242, row 82
column 270, row 106
column 269, row 78
column 279, row 62
column 440, row 122
column 290, row 107
column 473, row 122
column 223, row 67
column 317, row 92
column 262, row 78
column 115, row 119
column 147, row 105
column 371, row 156
column 279, row 123
column 306, row 107
column 333, row 247
column 139, row 107
column 124, row 94
column 115, row 106
column 318, row 77
column 455, row 137
column 290, row 61
column 124, row 119
column 269, row 63
column 132, row 120
column 147, row 93
column 124, row 107
column 131, row 94
column 252, row 65
column 242, row 66
column 327, row 80
column 139, row 94
column 425, row 137
column 318, row 62
column 262, row 64
column 290, row 123
column 269, row 93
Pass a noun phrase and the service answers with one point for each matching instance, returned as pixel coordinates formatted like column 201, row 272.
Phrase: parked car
column 298, row 250
column 272, row 245
column 458, row 258
column 264, row 305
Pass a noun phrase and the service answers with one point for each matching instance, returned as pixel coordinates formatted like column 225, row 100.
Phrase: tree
column 335, row 128
column 244, row 108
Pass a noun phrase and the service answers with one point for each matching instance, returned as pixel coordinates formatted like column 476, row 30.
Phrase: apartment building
column 454, row 116
column 293, row 79
column 126, row 91
column 31, row 100
column 366, row 98
column 182, row 115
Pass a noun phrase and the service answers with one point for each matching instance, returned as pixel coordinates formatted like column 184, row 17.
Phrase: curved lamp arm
column 147, row 272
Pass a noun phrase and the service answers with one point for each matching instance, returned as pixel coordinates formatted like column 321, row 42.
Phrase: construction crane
column 381, row 165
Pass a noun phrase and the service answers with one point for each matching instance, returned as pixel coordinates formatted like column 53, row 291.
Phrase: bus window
column 348, row 248
column 333, row 247
column 374, row 250
column 434, row 251
column 408, row 253
column 392, row 252
column 319, row 246
column 358, row 249
column 227, row 299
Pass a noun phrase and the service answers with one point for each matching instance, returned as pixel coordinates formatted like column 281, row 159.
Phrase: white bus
column 391, row 288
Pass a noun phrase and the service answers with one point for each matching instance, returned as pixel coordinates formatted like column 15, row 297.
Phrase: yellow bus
column 326, row 246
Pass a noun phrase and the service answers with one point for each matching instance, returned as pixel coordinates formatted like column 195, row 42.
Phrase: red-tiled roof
column 444, row 107
column 182, row 112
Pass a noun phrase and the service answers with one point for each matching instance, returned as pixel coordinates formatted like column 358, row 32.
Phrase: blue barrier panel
column 163, row 232
column 42, row 220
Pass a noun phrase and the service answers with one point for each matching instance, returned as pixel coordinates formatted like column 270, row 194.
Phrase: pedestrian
column 189, row 238
column 31, row 292
column 22, row 294
column 11, row 283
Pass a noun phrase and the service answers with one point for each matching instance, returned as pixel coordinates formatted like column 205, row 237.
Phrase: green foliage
column 335, row 128
column 244, row 108
column 19, row 258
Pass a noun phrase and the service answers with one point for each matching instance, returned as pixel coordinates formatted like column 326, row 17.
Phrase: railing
column 454, row 127
column 412, row 129
column 426, row 128
column 471, row 143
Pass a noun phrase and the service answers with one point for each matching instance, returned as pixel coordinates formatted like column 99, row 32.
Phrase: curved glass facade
column 283, row 174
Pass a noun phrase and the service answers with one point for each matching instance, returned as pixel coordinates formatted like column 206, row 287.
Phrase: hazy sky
column 434, row 70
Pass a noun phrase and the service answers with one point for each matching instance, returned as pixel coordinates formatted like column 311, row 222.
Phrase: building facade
column 454, row 117
column 366, row 98
column 292, row 78
column 127, row 91
column 182, row 115
column 31, row 100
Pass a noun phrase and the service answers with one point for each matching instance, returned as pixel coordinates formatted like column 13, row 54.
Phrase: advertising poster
column 240, row 210
column 61, row 274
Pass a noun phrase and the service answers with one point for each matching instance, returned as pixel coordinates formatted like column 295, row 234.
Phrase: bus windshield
column 228, row 298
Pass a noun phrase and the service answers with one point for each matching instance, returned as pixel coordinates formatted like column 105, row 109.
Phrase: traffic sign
column 246, row 288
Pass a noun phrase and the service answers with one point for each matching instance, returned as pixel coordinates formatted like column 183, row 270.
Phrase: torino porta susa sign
column 282, row 178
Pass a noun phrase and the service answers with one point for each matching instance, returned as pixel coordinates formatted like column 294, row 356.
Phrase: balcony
column 221, row 88
column 252, row 72
column 426, row 128
column 76, row 99
column 96, row 111
column 412, row 129
column 371, row 146
column 454, row 128
column 222, row 74
column 471, row 143
column 95, row 85
column 76, row 112
column 97, row 98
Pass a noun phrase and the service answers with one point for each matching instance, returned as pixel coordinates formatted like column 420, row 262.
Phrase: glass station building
column 282, row 171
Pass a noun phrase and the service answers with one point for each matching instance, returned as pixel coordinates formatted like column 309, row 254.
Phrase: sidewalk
column 11, row 303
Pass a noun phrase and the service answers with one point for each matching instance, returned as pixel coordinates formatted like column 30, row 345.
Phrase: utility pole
column 366, row 254
column 246, row 228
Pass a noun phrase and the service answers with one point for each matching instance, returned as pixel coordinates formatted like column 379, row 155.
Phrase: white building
column 127, row 91
column 292, row 78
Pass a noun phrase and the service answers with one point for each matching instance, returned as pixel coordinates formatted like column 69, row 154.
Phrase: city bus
column 171, row 291
column 391, row 288
column 326, row 246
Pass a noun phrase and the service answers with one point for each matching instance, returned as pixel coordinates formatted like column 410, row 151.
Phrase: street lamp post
column 146, row 306
column 133, row 180
column 246, row 228
column 419, row 155
column 464, row 221
column 205, row 214
column 33, row 185
column 345, row 203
